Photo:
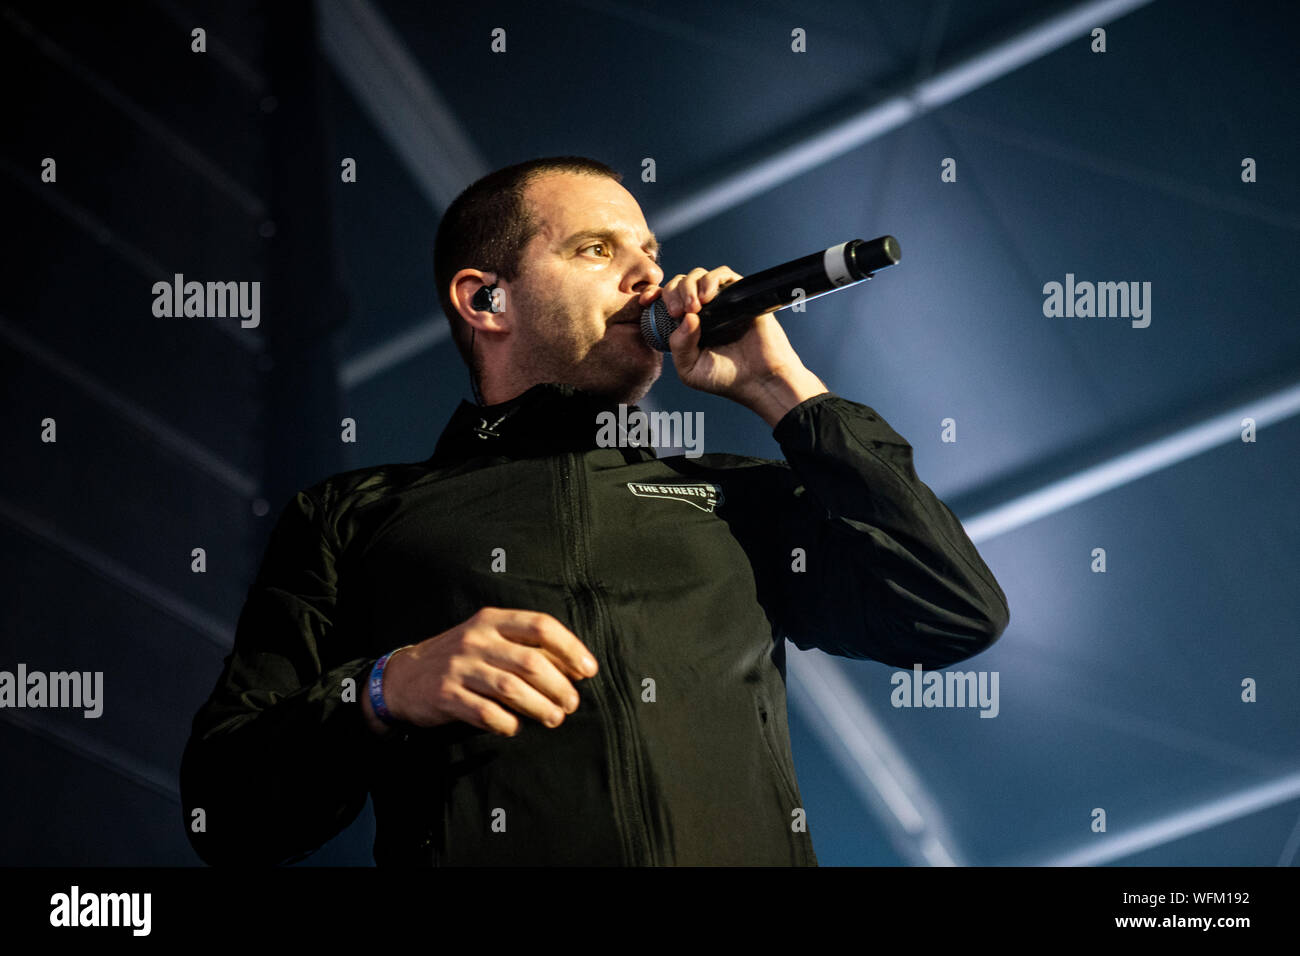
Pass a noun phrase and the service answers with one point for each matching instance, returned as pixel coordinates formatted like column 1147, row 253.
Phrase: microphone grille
column 657, row 325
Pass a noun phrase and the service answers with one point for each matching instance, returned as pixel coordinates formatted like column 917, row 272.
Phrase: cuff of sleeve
column 355, row 737
column 831, row 425
column 792, row 419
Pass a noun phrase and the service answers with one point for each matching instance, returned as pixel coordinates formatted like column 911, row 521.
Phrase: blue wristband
column 377, row 689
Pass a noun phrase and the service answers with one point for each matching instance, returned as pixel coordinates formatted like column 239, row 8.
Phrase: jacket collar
column 548, row 419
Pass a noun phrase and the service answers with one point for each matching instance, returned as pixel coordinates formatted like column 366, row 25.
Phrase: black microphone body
column 727, row 317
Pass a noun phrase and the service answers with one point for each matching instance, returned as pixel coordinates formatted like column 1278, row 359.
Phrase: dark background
column 1118, row 690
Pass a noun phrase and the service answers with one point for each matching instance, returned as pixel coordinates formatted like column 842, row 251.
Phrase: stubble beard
column 558, row 349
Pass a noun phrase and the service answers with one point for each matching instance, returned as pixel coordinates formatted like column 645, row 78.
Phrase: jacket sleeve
column 278, row 759
column 887, row 571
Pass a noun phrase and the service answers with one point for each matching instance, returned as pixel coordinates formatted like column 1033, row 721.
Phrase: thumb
column 685, row 341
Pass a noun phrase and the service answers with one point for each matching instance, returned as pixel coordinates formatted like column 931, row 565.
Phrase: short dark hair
column 487, row 227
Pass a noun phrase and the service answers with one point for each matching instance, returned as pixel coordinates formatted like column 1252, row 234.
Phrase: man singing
column 535, row 649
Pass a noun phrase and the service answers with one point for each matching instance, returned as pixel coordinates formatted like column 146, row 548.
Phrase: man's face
column 578, row 287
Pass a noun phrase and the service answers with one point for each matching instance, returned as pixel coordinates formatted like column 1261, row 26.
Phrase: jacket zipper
column 638, row 845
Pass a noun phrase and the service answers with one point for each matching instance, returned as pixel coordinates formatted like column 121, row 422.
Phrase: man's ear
column 479, row 299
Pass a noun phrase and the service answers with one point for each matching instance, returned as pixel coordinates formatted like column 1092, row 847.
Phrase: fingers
column 711, row 284
column 536, row 672
column 518, row 660
column 689, row 293
column 482, row 712
column 516, row 693
column 489, row 670
column 537, row 629
column 682, row 291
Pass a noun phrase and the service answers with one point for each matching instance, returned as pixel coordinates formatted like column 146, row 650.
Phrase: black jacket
column 683, row 576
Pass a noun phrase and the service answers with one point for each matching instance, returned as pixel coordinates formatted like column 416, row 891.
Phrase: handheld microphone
column 728, row 316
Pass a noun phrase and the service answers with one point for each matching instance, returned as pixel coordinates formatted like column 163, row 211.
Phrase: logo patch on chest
column 702, row 495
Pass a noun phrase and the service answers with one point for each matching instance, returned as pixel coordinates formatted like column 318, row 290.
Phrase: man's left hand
column 760, row 370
